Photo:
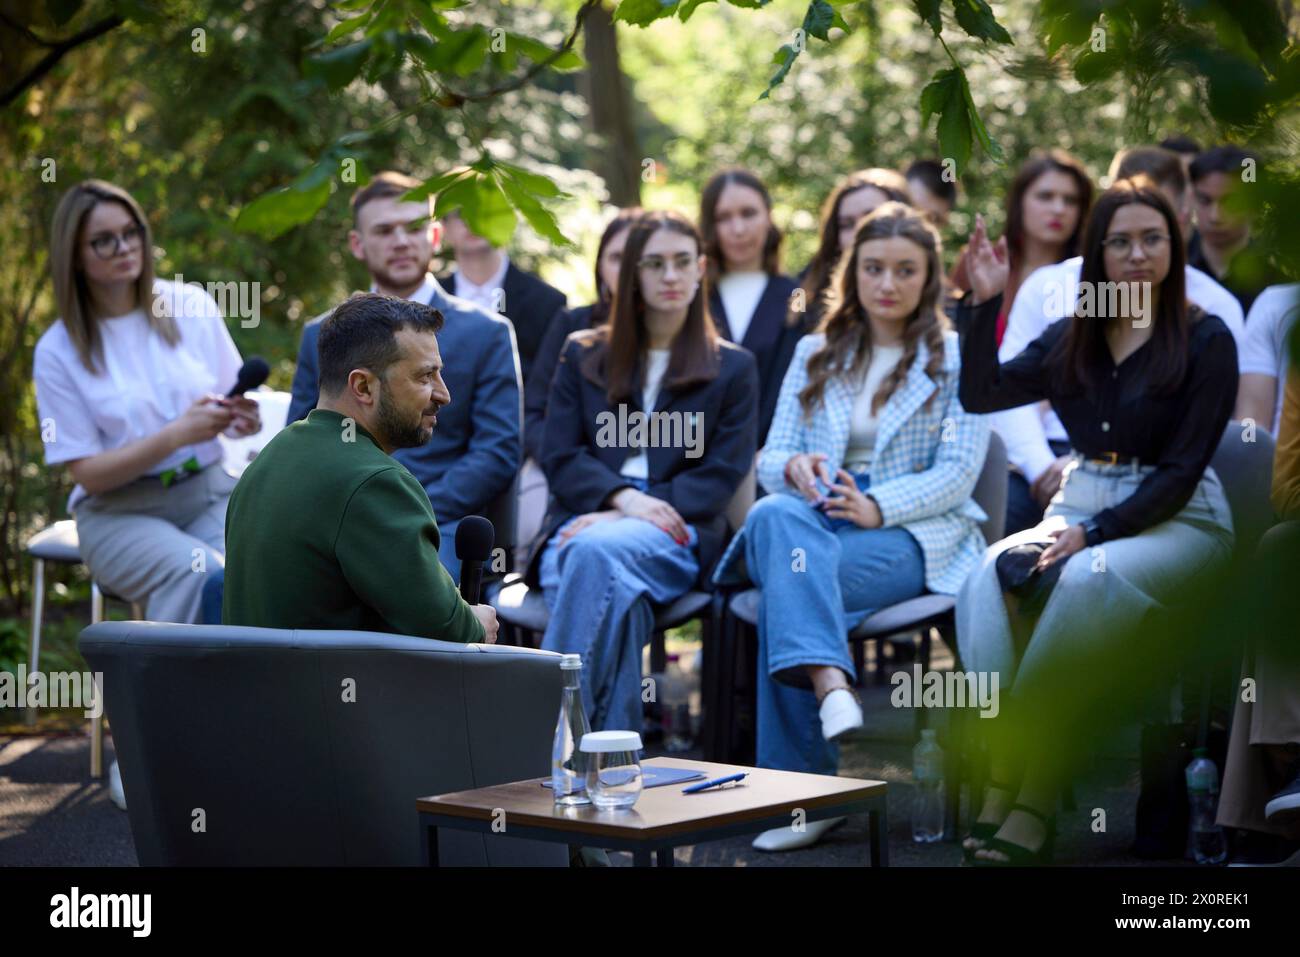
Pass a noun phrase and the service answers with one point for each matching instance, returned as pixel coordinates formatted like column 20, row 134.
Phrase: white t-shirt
column 140, row 384
column 862, row 428
column 486, row 294
column 1272, row 316
column 1049, row 294
column 638, row 466
column 740, row 293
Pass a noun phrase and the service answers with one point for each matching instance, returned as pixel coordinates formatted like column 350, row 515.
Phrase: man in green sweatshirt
column 325, row 529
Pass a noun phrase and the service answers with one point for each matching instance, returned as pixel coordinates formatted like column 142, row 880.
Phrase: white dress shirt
column 488, row 294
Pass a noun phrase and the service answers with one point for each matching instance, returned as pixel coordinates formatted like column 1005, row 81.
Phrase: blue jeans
column 447, row 548
column 600, row 586
column 214, row 591
column 819, row 577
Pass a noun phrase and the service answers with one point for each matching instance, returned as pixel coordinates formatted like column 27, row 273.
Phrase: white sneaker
column 115, row 792
column 840, row 714
column 788, row 839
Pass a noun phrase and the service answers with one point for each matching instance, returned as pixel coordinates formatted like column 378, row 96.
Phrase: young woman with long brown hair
column 872, row 461
column 637, row 514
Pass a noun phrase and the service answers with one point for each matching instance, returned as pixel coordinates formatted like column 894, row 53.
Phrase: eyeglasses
column 109, row 245
column 1122, row 246
column 656, row 265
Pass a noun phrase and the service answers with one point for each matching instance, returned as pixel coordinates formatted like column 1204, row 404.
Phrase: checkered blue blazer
column 926, row 460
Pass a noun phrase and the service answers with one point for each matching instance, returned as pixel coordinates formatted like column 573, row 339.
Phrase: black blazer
column 768, row 337
column 530, row 304
column 582, row 474
column 537, row 388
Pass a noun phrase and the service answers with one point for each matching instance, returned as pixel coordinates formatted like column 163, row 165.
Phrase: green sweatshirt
column 325, row 530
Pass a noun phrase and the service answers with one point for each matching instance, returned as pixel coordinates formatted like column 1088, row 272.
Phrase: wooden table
column 663, row 817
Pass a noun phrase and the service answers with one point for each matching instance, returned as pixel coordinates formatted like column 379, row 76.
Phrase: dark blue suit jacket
column 477, row 447
column 529, row 302
column 768, row 337
column 582, row 473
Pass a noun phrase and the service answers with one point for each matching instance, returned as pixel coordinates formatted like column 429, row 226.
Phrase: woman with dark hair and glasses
column 650, row 429
column 130, row 388
column 533, row 493
column 1047, row 206
column 749, row 296
column 1144, row 385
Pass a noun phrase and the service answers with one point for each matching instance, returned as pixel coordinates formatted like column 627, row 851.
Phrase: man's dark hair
column 361, row 333
column 384, row 185
column 1220, row 159
column 930, row 173
column 1180, row 143
column 1160, row 164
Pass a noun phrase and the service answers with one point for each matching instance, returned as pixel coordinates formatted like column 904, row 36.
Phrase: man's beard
column 383, row 278
column 401, row 433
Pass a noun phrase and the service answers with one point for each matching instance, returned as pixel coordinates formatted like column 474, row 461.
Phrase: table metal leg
column 879, row 833
column 429, row 846
column 665, row 857
column 640, row 858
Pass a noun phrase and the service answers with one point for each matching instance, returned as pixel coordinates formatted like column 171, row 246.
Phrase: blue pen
column 705, row 785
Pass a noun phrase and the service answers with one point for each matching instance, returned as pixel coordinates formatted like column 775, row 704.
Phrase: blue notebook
column 653, row 776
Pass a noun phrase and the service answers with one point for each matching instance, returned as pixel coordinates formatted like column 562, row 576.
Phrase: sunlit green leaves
column 976, row 18
column 817, row 22
column 948, row 95
column 489, row 192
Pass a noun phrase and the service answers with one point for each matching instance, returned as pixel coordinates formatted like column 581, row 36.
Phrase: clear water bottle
column 568, row 763
column 675, row 702
column 927, row 806
column 1208, row 846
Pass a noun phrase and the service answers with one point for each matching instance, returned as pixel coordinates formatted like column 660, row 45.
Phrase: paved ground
column 52, row 814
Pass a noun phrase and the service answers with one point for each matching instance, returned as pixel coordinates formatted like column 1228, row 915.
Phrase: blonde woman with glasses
column 130, row 386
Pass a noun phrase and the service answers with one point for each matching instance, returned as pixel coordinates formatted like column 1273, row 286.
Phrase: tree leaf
column 818, row 20
column 976, row 18
column 930, row 11
column 1091, row 67
column 689, row 6
column 1068, row 22
column 345, row 27
column 537, row 51
column 641, row 13
column 275, row 213
column 537, row 215
column 786, row 57
column 535, row 183
column 339, row 67
column 482, row 205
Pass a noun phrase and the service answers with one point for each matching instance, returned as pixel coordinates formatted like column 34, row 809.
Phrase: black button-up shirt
column 1177, row 432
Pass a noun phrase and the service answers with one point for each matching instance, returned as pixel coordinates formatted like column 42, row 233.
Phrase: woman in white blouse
column 749, row 296
column 130, row 386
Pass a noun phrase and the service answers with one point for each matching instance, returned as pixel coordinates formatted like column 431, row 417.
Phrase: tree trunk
column 619, row 163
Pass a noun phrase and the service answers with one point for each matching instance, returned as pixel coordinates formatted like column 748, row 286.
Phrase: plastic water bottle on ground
column 675, row 702
column 927, row 806
column 1208, row 846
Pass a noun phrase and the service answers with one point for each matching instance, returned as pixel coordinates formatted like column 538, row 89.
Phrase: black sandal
column 1018, row 855
column 983, row 831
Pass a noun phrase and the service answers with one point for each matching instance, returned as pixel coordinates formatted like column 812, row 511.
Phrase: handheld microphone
column 474, row 537
column 252, row 374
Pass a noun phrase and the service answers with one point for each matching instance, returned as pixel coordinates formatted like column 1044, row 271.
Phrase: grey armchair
column 254, row 746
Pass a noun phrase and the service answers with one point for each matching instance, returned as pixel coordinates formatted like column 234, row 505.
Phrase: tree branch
column 56, row 53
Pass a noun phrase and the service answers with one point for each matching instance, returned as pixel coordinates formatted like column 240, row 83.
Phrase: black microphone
column 251, row 375
column 474, row 537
